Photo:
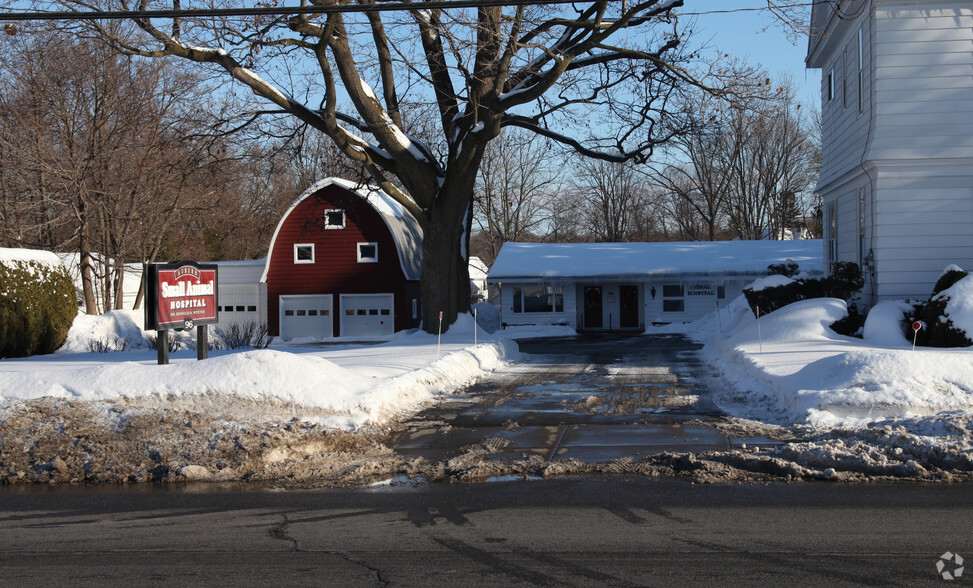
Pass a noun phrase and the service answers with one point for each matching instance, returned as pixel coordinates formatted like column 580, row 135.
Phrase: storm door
column 629, row 313
column 593, row 307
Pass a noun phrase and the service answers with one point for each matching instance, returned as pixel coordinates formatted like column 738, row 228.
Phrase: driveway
column 590, row 399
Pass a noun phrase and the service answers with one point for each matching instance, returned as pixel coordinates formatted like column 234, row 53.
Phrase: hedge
column 38, row 304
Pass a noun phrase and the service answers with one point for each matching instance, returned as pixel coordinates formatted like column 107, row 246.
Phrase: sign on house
column 180, row 295
column 700, row 289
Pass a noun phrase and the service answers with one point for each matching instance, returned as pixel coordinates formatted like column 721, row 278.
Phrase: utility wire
column 285, row 10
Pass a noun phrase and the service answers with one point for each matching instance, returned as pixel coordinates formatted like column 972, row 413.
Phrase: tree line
column 185, row 136
column 746, row 171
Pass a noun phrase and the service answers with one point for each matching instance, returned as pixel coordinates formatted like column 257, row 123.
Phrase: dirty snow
column 829, row 406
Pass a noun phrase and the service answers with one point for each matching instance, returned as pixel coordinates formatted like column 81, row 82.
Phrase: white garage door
column 306, row 316
column 238, row 304
column 367, row 315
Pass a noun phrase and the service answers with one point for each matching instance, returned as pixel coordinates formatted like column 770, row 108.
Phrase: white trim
column 330, row 227
column 363, row 259
column 378, row 200
column 297, row 260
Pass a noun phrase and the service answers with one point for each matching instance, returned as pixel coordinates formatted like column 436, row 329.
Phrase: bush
column 152, row 339
column 37, row 307
column 252, row 334
column 939, row 330
column 844, row 282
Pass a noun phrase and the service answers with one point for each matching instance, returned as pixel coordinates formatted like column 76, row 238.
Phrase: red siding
column 336, row 269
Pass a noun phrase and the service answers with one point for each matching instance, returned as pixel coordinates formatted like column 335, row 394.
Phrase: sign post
column 916, row 327
column 181, row 295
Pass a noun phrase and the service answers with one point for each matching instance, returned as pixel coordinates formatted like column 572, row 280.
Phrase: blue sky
column 742, row 34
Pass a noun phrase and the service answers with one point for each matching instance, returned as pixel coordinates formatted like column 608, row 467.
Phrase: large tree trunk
column 445, row 281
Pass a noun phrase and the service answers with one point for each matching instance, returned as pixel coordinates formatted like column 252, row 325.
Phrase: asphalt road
column 566, row 532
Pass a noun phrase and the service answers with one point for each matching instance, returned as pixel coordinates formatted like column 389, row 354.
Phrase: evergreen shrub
column 38, row 304
column 939, row 329
column 844, row 282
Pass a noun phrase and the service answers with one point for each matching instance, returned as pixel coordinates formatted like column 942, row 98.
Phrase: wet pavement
column 590, row 399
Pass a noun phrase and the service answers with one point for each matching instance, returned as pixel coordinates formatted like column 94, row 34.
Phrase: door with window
column 629, row 311
column 593, row 308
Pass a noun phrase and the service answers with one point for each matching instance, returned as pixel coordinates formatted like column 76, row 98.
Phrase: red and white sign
column 181, row 295
column 916, row 326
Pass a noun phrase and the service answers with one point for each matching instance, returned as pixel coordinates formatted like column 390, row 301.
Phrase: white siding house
column 897, row 138
column 627, row 286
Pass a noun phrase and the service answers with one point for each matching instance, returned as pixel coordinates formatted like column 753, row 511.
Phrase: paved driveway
column 590, row 399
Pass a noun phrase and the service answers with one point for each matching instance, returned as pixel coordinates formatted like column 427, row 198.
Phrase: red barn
column 345, row 261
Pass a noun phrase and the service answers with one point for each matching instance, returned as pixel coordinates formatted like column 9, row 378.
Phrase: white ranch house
column 627, row 286
column 897, row 137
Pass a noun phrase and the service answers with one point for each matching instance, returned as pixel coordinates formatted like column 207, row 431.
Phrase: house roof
column 405, row 229
column 629, row 260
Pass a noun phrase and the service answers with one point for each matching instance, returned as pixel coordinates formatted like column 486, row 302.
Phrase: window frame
column 330, row 227
column 298, row 260
column 554, row 295
column 364, row 258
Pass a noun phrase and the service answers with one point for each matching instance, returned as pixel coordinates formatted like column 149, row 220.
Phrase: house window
column 672, row 298
column 304, row 253
column 830, row 88
column 844, row 78
column 539, row 299
column 415, row 309
column 861, row 71
column 368, row 253
column 861, row 227
column 832, row 233
column 334, row 219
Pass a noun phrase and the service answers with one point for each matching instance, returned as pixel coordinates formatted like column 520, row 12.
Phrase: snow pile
column 354, row 386
column 791, row 367
column 959, row 307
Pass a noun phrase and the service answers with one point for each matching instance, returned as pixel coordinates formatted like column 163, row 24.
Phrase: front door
column 593, row 308
column 629, row 313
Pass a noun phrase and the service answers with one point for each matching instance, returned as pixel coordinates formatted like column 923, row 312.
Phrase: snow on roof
column 611, row 260
column 405, row 229
column 45, row 257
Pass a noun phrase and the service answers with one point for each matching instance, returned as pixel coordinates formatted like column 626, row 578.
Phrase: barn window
column 304, row 253
column 367, row 252
column 334, row 219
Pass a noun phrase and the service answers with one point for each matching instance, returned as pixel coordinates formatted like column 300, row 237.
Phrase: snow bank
column 792, row 361
column 13, row 255
column 358, row 385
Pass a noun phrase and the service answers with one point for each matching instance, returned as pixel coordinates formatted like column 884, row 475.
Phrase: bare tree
column 749, row 167
column 608, row 67
column 97, row 145
column 775, row 169
column 614, row 198
column 518, row 180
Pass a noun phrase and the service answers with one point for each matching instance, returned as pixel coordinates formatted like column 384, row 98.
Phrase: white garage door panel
column 306, row 316
column 367, row 315
column 238, row 304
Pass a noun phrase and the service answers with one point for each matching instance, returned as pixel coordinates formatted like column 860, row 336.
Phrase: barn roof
column 402, row 225
column 630, row 260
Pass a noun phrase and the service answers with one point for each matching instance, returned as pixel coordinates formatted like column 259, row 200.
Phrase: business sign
column 700, row 290
column 180, row 295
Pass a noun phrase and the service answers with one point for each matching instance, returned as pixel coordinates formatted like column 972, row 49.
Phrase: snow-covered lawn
column 871, row 406
column 341, row 385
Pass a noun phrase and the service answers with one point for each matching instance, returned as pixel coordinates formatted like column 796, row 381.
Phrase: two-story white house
column 897, row 138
